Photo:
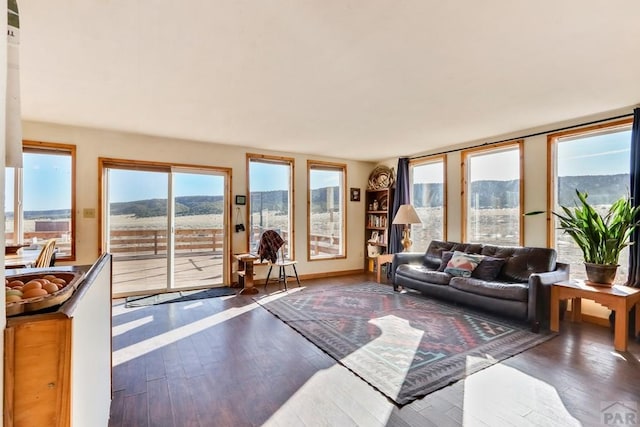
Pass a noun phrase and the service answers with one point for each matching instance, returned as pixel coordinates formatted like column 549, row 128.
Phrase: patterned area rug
column 403, row 344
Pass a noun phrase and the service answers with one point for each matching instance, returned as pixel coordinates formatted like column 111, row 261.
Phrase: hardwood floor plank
column 182, row 404
column 159, row 403
column 136, row 411
column 154, row 365
column 116, row 411
column 250, row 369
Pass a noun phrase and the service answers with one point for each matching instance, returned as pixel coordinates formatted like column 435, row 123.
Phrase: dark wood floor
column 228, row 362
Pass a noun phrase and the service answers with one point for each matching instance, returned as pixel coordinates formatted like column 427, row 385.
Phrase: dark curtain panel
column 401, row 197
column 634, row 189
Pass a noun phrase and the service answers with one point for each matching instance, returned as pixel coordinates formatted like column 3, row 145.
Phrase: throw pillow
column 446, row 257
column 462, row 264
column 489, row 268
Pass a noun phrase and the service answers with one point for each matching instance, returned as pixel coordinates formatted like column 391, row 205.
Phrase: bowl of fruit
column 26, row 293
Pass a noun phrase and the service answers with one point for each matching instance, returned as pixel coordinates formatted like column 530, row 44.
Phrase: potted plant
column 600, row 237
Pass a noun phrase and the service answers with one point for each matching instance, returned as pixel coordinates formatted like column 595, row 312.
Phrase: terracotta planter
column 600, row 274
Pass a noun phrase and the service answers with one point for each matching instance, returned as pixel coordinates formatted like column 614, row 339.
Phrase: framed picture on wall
column 241, row 200
column 355, row 194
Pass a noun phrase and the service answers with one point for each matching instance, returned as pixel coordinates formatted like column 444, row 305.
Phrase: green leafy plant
column 601, row 238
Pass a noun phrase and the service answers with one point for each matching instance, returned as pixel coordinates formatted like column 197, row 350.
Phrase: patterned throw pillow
column 489, row 268
column 462, row 264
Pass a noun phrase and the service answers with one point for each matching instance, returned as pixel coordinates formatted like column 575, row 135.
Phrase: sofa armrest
column 540, row 292
column 405, row 258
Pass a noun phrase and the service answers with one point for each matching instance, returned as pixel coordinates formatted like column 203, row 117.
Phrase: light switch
column 88, row 213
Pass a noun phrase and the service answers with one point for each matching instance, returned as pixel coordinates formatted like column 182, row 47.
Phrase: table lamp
column 406, row 216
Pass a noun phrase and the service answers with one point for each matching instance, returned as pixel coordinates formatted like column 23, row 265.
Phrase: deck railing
column 154, row 242
column 150, row 242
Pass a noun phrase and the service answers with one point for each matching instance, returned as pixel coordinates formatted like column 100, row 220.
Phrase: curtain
column 634, row 190
column 401, row 197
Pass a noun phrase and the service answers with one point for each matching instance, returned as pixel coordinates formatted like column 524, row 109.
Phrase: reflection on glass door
column 137, row 225
column 165, row 229
column 199, row 224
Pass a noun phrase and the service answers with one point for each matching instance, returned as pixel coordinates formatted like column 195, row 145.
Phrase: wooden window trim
column 106, row 162
column 439, row 158
column 552, row 144
column 265, row 158
column 466, row 154
column 30, row 146
column 321, row 165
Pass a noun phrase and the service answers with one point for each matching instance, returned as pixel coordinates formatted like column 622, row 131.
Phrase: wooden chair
column 46, row 254
column 282, row 265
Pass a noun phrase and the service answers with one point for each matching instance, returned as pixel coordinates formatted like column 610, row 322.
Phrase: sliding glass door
column 199, row 224
column 165, row 227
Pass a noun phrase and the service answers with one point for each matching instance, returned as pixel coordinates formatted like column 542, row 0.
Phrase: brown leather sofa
column 520, row 290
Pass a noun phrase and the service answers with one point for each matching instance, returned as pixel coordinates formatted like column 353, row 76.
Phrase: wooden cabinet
column 377, row 223
column 57, row 369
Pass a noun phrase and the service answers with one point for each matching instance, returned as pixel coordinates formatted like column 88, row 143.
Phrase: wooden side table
column 380, row 261
column 617, row 298
column 245, row 273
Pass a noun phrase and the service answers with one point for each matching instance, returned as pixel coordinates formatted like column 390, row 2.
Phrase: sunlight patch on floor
column 331, row 395
column 117, row 310
column 126, row 327
column 390, row 326
column 146, row 346
column 501, row 395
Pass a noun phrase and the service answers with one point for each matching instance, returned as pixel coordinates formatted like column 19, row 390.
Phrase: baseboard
column 587, row 318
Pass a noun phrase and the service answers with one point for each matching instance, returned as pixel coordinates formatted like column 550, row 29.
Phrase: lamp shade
column 406, row 215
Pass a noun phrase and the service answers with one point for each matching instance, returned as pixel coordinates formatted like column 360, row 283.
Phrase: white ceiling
column 366, row 79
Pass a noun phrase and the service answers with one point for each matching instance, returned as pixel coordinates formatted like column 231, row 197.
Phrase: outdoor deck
column 147, row 274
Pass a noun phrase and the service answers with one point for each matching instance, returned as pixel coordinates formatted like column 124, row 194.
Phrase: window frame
column 464, row 190
column 442, row 158
column 281, row 160
column 40, row 147
column 552, row 152
column 322, row 165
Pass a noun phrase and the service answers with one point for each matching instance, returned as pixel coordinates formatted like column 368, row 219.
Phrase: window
column 40, row 198
column 492, row 192
column 428, row 196
column 270, row 199
column 595, row 160
column 326, row 210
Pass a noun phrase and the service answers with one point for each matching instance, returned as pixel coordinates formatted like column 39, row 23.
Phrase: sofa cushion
column 502, row 290
column 433, row 255
column 462, row 264
column 522, row 261
column 489, row 268
column 446, row 257
column 422, row 273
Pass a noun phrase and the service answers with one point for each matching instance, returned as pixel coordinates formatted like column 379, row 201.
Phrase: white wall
column 93, row 143
column 3, row 113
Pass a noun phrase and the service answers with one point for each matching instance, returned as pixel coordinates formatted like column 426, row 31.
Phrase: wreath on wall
column 381, row 177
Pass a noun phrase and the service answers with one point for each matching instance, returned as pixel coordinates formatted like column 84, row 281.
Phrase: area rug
column 169, row 297
column 403, row 344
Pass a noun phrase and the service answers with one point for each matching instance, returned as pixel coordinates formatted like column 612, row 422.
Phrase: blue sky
column 127, row 185
column 43, row 174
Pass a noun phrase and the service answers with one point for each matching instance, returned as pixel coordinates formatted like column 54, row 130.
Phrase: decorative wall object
column 381, row 177
column 355, row 194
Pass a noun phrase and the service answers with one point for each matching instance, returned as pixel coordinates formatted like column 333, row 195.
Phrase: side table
column 617, row 298
column 380, row 261
column 245, row 273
